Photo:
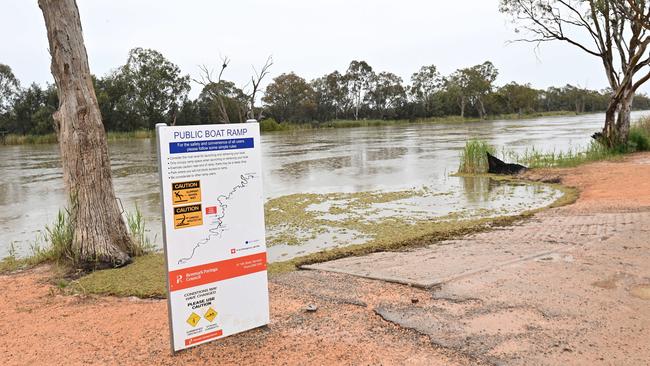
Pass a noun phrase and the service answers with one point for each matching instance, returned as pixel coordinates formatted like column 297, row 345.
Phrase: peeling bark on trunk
column 617, row 119
column 356, row 107
column 623, row 120
column 481, row 109
column 462, row 107
column 101, row 238
column 222, row 110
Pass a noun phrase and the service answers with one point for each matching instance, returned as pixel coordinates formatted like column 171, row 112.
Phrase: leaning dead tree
column 100, row 237
column 615, row 31
column 256, row 80
column 220, row 90
column 214, row 87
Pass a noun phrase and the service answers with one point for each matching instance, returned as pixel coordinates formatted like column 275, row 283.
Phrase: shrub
column 473, row 158
column 639, row 139
column 137, row 228
column 270, row 124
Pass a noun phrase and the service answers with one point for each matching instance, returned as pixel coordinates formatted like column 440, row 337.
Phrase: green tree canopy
column 155, row 87
column 225, row 97
column 386, row 94
column 9, row 87
column 358, row 76
column 290, row 98
column 519, row 98
column 331, row 95
column 424, row 84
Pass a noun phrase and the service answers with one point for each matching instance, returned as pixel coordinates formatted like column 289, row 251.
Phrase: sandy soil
column 605, row 186
column 545, row 311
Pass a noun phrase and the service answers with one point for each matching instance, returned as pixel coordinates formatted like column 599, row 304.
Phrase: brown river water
column 347, row 160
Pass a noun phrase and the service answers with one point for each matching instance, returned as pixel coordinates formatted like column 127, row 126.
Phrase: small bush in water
column 473, row 158
column 141, row 243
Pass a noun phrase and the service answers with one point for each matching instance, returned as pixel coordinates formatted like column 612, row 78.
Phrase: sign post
column 213, row 230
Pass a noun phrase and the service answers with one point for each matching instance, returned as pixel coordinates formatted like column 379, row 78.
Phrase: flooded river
column 360, row 173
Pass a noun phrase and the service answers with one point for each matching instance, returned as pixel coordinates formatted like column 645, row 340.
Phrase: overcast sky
column 311, row 38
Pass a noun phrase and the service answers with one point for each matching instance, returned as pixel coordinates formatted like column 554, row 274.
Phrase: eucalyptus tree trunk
column 461, row 104
column 623, row 119
column 481, row 109
column 609, row 131
column 617, row 119
column 101, row 238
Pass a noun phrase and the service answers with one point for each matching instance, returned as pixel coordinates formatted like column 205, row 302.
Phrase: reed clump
column 473, row 157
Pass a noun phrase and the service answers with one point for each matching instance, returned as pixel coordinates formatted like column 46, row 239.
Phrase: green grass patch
column 291, row 221
column 145, row 278
column 11, row 262
column 639, row 139
column 571, row 158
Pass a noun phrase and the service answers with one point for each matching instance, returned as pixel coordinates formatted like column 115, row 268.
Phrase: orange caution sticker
column 187, row 216
column 186, row 192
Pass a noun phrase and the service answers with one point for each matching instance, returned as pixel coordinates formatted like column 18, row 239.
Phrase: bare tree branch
column 256, row 80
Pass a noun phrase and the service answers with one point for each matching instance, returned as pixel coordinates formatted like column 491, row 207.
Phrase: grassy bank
column 473, row 159
column 13, row 139
column 270, row 125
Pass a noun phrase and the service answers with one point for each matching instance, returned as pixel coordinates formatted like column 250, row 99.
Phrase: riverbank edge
column 145, row 277
column 270, row 126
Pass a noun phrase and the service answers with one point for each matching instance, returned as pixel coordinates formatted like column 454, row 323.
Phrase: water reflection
column 477, row 189
column 305, row 167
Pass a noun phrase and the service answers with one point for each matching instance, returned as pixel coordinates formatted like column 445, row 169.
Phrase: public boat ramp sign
column 213, row 230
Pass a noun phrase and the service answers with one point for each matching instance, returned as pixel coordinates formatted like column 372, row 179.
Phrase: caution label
column 193, row 319
column 210, row 315
column 186, row 192
column 187, row 216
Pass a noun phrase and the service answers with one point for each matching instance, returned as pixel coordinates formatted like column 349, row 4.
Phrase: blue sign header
column 210, row 145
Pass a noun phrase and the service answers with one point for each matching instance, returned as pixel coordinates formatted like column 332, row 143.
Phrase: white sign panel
column 213, row 229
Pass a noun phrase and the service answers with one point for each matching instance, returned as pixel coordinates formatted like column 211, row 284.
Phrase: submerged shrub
column 473, row 157
column 270, row 124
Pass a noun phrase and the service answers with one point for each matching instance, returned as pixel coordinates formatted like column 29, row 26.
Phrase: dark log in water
column 496, row 166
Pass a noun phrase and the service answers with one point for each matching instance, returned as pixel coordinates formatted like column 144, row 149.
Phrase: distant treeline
column 149, row 89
